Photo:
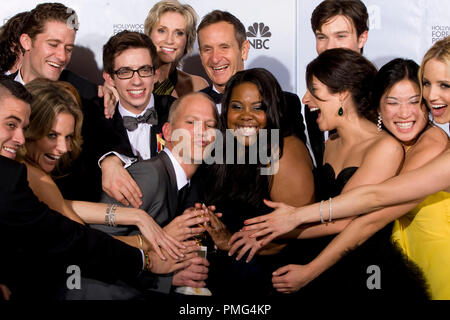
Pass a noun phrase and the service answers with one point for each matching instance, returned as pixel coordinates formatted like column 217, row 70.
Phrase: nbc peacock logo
column 261, row 41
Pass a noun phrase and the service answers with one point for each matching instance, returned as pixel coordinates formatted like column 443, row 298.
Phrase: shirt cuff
column 126, row 160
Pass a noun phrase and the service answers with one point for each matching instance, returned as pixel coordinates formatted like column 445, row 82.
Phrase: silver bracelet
column 108, row 209
column 110, row 216
column 329, row 219
column 321, row 212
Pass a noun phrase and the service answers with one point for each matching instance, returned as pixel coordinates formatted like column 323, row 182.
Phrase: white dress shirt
column 139, row 138
column 18, row 78
column 218, row 105
column 182, row 179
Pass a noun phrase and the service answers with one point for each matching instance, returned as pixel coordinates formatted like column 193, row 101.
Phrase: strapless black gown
column 353, row 275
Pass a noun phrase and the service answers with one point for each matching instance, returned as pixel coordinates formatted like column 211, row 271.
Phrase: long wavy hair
column 244, row 182
column 51, row 98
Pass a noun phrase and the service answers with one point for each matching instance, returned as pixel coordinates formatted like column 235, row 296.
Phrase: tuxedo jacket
column 293, row 117
column 157, row 180
column 101, row 135
column 86, row 89
column 38, row 244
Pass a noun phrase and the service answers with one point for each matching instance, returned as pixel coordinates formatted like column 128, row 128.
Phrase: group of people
column 130, row 180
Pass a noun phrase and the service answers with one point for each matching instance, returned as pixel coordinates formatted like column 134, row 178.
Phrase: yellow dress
column 424, row 236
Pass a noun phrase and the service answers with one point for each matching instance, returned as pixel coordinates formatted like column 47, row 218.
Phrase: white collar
column 214, row 88
column 182, row 179
column 124, row 112
column 18, row 77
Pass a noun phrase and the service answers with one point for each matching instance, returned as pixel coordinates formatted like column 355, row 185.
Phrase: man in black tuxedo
column 224, row 47
column 38, row 244
column 165, row 180
column 47, row 38
column 130, row 65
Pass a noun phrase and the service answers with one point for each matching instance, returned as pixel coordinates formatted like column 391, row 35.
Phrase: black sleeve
column 294, row 115
column 30, row 230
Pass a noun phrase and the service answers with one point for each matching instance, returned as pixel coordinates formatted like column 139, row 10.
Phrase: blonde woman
column 171, row 26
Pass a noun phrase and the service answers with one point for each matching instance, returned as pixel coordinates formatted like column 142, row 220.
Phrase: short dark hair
column 343, row 69
column 35, row 22
column 217, row 16
column 15, row 88
column 127, row 40
column 392, row 72
column 354, row 10
column 10, row 47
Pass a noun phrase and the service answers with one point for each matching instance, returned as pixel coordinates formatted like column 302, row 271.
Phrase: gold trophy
column 201, row 253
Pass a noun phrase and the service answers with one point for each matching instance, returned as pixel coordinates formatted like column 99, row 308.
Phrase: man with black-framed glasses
column 130, row 64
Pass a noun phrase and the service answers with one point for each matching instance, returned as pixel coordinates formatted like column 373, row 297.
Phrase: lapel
column 162, row 106
column 172, row 192
column 121, row 132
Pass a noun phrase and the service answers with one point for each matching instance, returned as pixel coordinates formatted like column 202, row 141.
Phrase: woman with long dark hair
column 261, row 160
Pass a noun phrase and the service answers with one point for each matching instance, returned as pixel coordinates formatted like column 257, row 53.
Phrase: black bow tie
column 217, row 97
column 150, row 117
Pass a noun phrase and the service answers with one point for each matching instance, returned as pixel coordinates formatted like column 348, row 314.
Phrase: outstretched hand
column 216, row 228
column 186, row 226
column 241, row 240
column 160, row 266
column 291, row 278
column 272, row 225
column 159, row 239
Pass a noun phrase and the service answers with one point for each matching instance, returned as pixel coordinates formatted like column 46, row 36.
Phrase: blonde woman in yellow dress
column 423, row 234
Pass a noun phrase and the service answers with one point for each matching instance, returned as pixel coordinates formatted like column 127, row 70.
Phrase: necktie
column 150, row 116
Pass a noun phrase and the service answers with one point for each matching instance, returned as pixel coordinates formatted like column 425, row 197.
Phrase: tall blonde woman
column 171, row 26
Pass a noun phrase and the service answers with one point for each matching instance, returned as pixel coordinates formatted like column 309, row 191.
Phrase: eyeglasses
column 127, row 73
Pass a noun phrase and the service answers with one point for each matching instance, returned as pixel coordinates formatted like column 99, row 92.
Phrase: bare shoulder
column 431, row 143
column 295, row 150
column 198, row 83
column 434, row 137
column 36, row 175
column 387, row 145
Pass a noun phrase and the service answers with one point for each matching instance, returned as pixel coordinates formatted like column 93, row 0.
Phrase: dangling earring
column 341, row 110
column 379, row 123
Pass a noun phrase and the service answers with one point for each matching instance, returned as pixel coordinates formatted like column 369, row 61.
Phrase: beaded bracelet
column 148, row 264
